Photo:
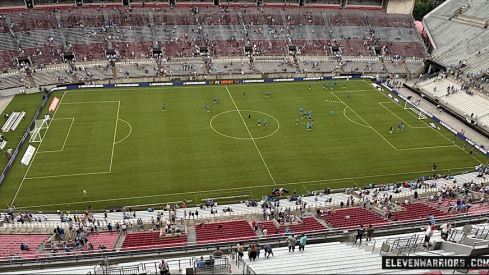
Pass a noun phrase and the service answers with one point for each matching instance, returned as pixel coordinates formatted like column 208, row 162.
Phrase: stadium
column 189, row 137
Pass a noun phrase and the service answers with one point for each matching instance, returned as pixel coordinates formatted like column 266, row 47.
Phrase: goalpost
column 40, row 127
column 408, row 105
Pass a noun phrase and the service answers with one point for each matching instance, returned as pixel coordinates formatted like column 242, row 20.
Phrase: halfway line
column 252, row 139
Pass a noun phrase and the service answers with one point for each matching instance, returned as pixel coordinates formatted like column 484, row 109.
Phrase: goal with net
column 408, row 105
column 40, row 128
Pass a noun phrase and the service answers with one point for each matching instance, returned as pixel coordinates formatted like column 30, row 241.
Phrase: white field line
column 241, row 188
column 115, row 133
column 366, row 122
column 252, row 139
column 64, row 143
column 68, row 175
column 92, row 102
column 344, row 113
column 130, row 130
column 80, row 174
column 35, row 153
column 428, row 147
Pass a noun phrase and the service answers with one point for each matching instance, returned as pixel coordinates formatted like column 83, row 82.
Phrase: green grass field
column 123, row 149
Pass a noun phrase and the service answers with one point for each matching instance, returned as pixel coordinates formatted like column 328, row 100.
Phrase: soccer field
column 124, row 150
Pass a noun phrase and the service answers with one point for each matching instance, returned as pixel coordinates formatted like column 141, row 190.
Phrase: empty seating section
column 381, row 19
column 134, row 49
column 269, row 47
column 175, row 16
column 106, row 239
column 44, row 33
column 406, row 49
column 310, row 225
column 94, row 51
column 353, row 47
column 179, row 48
column 217, row 16
column 45, row 55
column 125, row 17
column 11, row 243
column 356, row 215
column 226, row 48
column 75, row 18
column 32, row 20
column 313, row 47
column 224, row 231
column 418, row 211
column 151, row 239
column 304, row 16
column 346, row 18
column 267, row 17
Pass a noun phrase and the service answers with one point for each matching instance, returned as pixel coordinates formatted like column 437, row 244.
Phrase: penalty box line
column 327, row 181
column 89, row 173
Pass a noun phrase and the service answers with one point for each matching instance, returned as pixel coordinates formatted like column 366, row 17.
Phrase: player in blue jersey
column 163, row 107
column 331, row 113
column 259, row 122
column 264, row 122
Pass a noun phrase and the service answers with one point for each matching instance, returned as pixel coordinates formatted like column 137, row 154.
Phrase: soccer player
column 331, row 113
column 324, row 84
column 398, row 126
column 344, row 85
column 332, row 86
column 335, row 82
column 163, row 107
column 309, row 113
column 218, row 100
column 308, row 126
column 402, row 127
column 348, row 96
column 244, row 94
column 214, row 98
column 266, row 93
column 296, row 120
column 300, row 110
column 249, row 116
column 434, row 166
column 265, row 122
column 390, row 130
column 310, row 85
column 206, row 108
column 84, row 193
column 259, row 122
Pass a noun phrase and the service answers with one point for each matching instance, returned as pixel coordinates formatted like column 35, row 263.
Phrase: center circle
column 245, row 118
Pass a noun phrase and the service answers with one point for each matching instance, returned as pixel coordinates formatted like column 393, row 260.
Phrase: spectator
column 201, row 262
column 360, row 231
column 432, row 219
column 268, row 250
column 252, row 252
column 370, row 233
column 291, row 242
column 163, row 267
column 302, row 242
column 240, row 249
column 109, row 227
column 445, row 230
column 217, row 254
column 265, row 231
column 24, row 247
column 429, row 232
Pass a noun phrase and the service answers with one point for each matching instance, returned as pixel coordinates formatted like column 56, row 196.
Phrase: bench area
column 13, row 121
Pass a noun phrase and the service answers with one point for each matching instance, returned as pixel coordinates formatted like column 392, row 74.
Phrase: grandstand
column 155, row 42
